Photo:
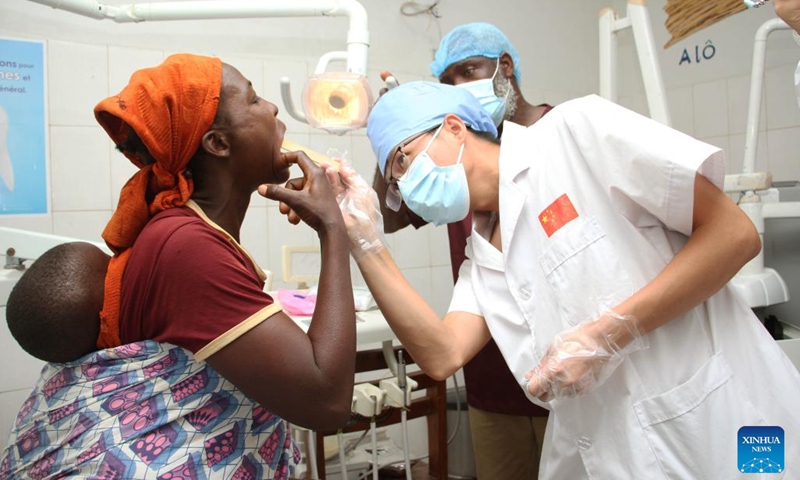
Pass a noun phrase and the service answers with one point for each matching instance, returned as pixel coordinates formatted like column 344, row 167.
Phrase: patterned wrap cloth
column 144, row 410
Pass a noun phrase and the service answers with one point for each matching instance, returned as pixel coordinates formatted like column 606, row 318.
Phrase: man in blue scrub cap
column 480, row 58
column 600, row 258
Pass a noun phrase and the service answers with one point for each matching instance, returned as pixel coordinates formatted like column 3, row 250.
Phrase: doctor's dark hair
column 487, row 136
column 53, row 311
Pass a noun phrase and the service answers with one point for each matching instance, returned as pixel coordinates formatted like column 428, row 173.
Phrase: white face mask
column 483, row 90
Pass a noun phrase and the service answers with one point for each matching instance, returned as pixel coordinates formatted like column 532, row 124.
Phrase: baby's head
column 53, row 312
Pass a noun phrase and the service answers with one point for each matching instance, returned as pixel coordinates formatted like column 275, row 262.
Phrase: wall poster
column 23, row 128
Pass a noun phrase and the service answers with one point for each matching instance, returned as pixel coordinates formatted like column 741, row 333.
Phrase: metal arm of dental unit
column 639, row 20
column 762, row 286
column 357, row 34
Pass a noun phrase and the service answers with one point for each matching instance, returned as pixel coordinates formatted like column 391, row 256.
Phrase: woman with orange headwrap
column 199, row 366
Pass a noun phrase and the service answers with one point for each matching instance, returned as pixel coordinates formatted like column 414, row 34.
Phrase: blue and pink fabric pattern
column 147, row 411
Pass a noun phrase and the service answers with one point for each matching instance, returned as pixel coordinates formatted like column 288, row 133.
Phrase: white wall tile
column 254, row 236
column 784, row 153
column 420, row 280
column 10, row 403
column 251, row 68
column 739, row 104
column 34, row 223
column 411, row 248
column 363, row 158
column 555, row 97
column 440, row 247
column 77, row 79
column 83, row 225
column 81, row 171
column 297, row 71
column 710, row 109
column 734, row 158
column 681, row 109
column 280, row 232
column 123, row 61
column 782, row 109
column 636, row 103
column 534, row 96
column 25, row 369
column 442, row 279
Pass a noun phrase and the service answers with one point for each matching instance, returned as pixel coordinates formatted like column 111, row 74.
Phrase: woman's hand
column 309, row 198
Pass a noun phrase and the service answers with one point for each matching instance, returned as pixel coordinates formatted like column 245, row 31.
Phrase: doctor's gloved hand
column 582, row 358
column 359, row 205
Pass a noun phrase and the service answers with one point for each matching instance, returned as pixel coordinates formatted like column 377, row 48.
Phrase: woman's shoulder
column 178, row 232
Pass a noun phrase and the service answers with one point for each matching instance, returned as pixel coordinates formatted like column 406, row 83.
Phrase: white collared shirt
column 595, row 200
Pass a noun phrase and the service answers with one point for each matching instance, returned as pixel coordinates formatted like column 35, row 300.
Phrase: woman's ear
column 215, row 142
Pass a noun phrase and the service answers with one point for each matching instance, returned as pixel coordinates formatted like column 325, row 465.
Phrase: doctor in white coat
column 601, row 250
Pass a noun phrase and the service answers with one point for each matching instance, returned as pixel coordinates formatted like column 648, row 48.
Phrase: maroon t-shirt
column 490, row 384
column 186, row 283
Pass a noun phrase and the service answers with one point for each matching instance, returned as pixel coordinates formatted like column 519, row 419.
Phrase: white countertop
column 371, row 328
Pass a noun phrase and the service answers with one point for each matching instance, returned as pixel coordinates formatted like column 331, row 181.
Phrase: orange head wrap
column 170, row 107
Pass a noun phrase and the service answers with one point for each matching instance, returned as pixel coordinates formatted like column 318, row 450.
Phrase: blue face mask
column 483, row 90
column 439, row 195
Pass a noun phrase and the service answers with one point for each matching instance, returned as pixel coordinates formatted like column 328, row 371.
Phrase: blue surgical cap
column 470, row 40
column 415, row 107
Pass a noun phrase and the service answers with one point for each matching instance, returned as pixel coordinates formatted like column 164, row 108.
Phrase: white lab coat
column 673, row 410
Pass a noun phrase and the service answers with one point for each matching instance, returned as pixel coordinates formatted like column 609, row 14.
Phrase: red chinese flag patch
column 558, row 214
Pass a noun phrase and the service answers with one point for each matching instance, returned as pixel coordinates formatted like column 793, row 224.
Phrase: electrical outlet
column 368, row 399
column 394, row 394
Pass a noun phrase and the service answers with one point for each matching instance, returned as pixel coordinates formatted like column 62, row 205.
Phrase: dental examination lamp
column 333, row 101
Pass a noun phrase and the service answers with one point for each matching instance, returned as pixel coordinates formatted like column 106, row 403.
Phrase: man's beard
column 503, row 87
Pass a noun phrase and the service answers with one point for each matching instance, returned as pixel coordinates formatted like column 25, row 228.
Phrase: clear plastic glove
column 582, row 358
column 359, row 205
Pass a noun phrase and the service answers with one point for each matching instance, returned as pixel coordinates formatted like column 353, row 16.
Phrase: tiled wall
column 716, row 112
column 709, row 99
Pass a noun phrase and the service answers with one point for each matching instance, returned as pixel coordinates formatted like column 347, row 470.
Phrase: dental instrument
column 315, row 156
column 342, row 457
column 401, row 382
column 751, row 4
column 312, row 453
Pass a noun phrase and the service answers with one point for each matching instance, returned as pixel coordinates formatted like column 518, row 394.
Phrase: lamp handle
column 286, row 94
